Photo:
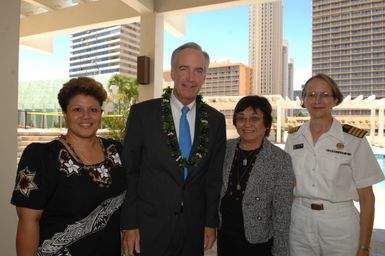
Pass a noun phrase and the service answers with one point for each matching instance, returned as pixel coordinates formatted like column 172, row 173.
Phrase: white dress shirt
column 176, row 109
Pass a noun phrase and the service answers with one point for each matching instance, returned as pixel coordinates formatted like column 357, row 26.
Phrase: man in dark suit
column 172, row 197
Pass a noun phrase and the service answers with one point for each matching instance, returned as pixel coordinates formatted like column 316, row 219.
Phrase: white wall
column 9, row 55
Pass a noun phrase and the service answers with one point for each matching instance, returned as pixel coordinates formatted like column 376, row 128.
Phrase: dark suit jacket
column 156, row 187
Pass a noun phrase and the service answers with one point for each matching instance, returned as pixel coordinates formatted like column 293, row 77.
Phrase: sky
column 223, row 33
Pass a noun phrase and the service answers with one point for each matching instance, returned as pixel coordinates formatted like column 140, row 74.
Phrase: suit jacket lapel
column 176, row 171
column 194, row 146
column 196, row 132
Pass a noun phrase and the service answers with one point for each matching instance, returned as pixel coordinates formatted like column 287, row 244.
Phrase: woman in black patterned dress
column 68, row 192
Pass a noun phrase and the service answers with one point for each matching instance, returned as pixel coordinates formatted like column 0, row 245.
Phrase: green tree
column 123, row 93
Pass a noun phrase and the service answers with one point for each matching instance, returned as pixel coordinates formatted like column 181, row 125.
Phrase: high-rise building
column 105, row 51
column 223, row 78
column 290, row 74
column 349, row 45
column 227, row 79
column 265, row 46
column 285, row 69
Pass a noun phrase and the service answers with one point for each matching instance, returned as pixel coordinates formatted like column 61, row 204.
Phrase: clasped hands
column 131, row 241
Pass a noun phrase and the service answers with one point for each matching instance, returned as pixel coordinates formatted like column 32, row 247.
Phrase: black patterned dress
column 80, row 203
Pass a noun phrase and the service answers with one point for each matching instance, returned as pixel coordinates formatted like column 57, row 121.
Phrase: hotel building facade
column 227, row 79
column 223, row 78
column 349, row 45
column 109, row 50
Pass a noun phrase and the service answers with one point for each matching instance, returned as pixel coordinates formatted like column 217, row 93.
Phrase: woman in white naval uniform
column 333, row 165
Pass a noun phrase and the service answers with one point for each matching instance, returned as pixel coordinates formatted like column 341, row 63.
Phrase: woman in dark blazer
column 256, row 194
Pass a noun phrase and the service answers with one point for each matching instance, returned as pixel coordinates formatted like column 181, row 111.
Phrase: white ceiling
column 42, row 19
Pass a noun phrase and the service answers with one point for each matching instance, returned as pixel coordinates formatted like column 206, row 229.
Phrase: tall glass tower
column 265, row 47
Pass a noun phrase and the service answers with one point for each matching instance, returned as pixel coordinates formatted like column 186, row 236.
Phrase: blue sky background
column 223, row 33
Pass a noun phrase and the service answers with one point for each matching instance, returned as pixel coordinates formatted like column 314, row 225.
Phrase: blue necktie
column 184, row 136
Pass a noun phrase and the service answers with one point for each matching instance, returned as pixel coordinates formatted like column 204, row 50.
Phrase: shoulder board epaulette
column 357, row 132
column 294, row 129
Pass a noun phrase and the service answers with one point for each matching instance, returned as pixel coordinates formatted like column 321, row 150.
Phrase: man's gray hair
column 191, row 45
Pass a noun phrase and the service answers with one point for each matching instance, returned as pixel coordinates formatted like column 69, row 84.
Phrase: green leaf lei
column 172, row 140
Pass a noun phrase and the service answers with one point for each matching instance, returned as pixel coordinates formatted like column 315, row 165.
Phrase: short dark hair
column 256, row 102
column 333, row 85
column 191, row 45
column 81, row 85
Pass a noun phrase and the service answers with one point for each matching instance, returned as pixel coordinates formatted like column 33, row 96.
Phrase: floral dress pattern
column 80, row 203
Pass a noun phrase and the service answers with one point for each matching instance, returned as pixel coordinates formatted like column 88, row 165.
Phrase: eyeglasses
column 322, row 95
column 242, row 120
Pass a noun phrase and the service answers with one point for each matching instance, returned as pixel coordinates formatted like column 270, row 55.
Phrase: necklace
column 64, row 138
column 169, row 129
column 248, row 165
column 245, row 157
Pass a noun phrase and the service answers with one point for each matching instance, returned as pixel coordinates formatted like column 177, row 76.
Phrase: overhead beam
column 175, row 24
column 38, row 3
column 141, row 6
column 179, row 6
column 40, row 44
column 77, row 18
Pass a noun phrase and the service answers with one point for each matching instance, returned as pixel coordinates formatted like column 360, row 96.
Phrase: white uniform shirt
column 334, row 167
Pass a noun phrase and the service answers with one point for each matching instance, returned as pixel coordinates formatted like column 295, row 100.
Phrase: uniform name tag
column 338, row 152
column 297, row 146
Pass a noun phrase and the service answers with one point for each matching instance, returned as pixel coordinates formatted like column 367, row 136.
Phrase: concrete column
column 9, row 55
column 372, row 125
column 381, row 121
column 151, row 45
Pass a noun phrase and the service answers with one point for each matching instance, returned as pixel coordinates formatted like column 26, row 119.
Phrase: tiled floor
column 378, row 237
column 378, row 243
